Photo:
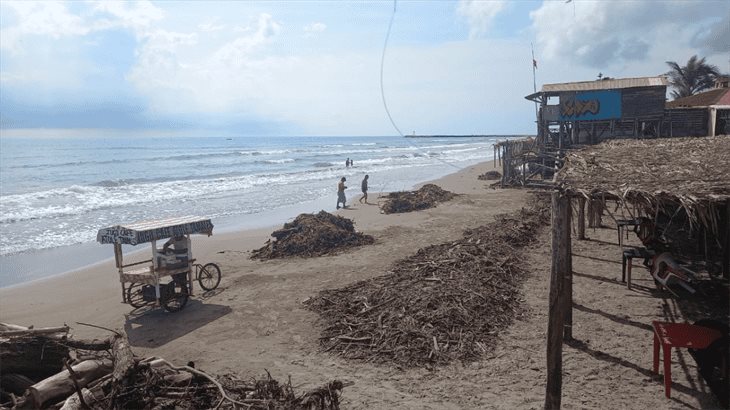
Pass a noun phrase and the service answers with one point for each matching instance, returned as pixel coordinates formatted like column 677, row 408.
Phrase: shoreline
column 102, row 275
column 37, row 265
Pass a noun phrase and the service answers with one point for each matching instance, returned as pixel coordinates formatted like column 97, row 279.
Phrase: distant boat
column 229, row 139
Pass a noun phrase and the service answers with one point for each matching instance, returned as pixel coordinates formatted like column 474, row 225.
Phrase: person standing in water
column 341, row 193
column 347, row 163
column 364, row 187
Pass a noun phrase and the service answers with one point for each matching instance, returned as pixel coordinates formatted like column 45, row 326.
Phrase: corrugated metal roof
column 605, row 84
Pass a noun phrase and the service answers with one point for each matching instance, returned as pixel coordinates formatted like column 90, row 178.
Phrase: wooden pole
column 556, row 312
column 726, row 250
column 567, row 255
column 581, row 218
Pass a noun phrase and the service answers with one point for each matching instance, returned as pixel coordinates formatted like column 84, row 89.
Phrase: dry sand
column 256, row 319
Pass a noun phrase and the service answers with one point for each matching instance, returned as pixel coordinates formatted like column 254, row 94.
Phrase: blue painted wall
column 590, row 105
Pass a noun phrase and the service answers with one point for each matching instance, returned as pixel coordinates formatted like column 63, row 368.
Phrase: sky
column 302, row 68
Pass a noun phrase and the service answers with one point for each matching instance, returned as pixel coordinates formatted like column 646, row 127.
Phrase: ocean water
column 56, row 193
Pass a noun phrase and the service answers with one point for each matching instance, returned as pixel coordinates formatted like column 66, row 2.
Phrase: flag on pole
column 534, row 63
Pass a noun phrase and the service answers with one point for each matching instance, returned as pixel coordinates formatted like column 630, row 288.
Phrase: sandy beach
column 256, row 319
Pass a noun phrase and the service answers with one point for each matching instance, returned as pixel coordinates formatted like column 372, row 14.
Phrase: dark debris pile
column 312, row 235
column 446, row 302
column 104, row 374
column 490, row 176
column 407, row 201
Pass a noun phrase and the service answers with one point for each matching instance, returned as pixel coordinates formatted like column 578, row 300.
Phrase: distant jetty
column 468, row 136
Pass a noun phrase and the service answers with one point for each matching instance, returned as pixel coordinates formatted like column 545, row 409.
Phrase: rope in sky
column 382, row 64
column 382, row 91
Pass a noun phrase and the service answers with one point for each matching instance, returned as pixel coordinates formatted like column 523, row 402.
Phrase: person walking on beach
column 341, row 193
column 364, row 187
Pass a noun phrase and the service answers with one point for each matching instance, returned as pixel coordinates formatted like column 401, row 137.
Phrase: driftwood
column 489, row 175
column 33, row 332
column 447, row 302
column 312, row 235
column 115, row 379
column 36, row 357
column 61, row 385
column 428, row 196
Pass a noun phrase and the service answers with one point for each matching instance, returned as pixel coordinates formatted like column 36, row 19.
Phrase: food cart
column 145, row 283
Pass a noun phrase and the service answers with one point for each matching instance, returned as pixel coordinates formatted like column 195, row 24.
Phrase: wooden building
column 706, row 113
column 588, row 112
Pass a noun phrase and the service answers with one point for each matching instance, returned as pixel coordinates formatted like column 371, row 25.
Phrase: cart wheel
column 134, row 295
column 175, row 297
column 209, row 276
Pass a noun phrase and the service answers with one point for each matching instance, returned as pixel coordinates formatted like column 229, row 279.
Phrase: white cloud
column 480, row 14
column 55, row 20
column 39, row 18
column 316, row 27
column 714, row 38
column 210, row 27
column 603, row 34
column 138, row 15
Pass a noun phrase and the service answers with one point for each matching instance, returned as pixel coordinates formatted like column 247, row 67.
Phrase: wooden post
column 567, row 250
column 556, row 312
column 581, row 217
column 726, row 249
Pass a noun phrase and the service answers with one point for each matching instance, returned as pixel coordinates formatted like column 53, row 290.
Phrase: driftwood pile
column 45, row 368
column 446, row 302
column 490, row 175
column 312, row 235
column 407, row 201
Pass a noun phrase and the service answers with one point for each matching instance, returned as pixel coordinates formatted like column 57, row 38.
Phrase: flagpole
column 534, row 81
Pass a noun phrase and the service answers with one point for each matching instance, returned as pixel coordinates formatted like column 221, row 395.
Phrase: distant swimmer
column 364, row 187
column 347, row 162
column 341, row 193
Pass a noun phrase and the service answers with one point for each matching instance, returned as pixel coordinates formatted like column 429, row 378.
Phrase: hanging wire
column 382, row 64
column 382, row 92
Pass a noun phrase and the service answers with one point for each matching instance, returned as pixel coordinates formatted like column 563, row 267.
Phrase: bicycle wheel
column 209, row 276
column 175, row 296
column 135, row 296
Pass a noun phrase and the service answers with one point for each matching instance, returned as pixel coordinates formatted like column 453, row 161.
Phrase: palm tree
column 694, row 77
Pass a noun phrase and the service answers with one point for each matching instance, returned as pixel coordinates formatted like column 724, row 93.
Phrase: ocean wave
column 278, row 161
column 323, row 164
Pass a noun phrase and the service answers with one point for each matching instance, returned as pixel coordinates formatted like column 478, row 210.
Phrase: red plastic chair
column 669, row 335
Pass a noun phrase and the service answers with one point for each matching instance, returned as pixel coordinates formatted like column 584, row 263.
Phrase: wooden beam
column 726, row 248
column 581, row 217
column 567, row 269
column 556, row 312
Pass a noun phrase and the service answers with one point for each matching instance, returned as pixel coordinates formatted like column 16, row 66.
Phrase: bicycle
column 174, row 295
column 208, row 275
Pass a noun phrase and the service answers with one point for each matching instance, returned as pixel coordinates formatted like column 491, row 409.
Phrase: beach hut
column 706, row 113
column 588, row 112
column 684, row 178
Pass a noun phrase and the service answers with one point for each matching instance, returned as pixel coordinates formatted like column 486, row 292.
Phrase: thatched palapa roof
column 693, row 173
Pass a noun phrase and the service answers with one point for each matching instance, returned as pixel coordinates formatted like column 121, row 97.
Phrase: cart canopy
column 148, row 231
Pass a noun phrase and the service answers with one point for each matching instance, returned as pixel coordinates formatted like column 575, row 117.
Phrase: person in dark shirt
column 364, row 187
column 341, row 193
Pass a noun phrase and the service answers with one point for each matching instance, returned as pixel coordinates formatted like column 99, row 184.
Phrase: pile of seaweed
column 312, row 235
column 446, row 302
column 490, row 175
column 407, row 201
column 46, row 368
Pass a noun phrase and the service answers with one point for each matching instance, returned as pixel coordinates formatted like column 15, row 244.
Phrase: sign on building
column 590, row 105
